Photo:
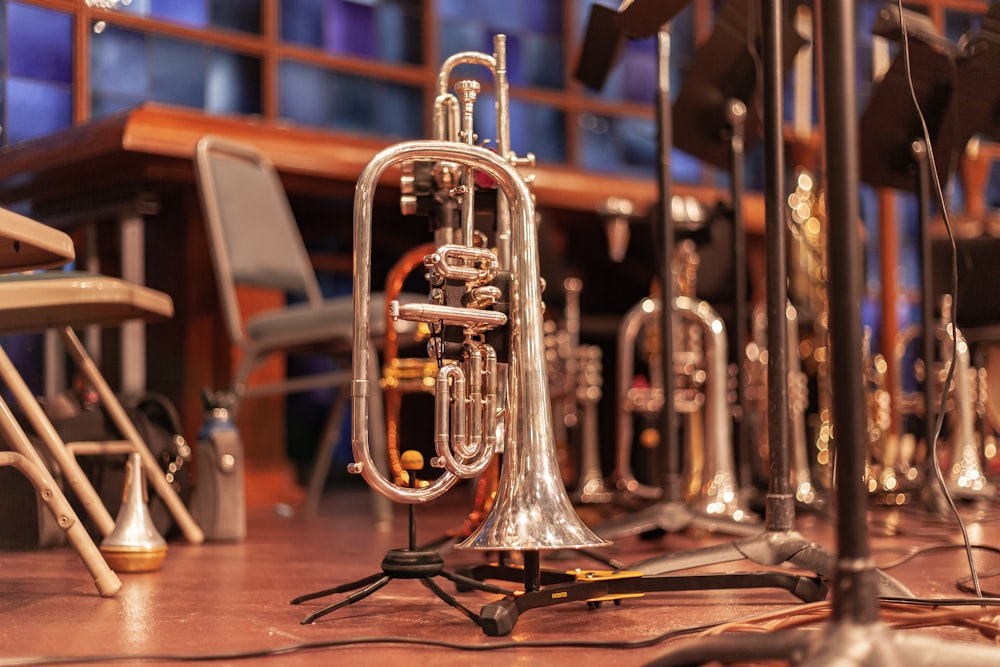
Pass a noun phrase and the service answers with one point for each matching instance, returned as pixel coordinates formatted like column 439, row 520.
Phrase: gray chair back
column 252, row 234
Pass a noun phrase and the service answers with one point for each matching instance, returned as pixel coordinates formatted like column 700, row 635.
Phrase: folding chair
column 62, row 301
column 24, row 245
column 255, row 241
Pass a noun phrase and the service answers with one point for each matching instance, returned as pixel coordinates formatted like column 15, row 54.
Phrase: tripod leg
column 343, row 588
column 431, row 584
column 463, row 583
column 350, row 599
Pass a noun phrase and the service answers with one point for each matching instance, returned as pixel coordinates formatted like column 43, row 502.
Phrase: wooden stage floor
column 229, row 603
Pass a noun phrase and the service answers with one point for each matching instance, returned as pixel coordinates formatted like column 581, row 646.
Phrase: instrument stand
column 596, row 587
column 854, row 635
column 410, row 563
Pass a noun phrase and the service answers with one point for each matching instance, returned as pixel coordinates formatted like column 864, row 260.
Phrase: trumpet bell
column 532, row 510
column 135, row 545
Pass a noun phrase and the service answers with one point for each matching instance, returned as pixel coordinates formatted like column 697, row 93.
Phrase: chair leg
column 381, row 506
column 154, row 474
column 324, row 455
column 68, row 466
column 378, row 442
column 26, row 460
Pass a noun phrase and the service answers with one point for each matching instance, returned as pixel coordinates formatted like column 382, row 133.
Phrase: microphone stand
column 854, row 635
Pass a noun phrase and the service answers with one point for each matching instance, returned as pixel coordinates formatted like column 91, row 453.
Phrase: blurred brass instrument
column 807, row 289
column 798, row 398
column 485, row 316
column 965, row 478
column 575, row 381
column 702, row 365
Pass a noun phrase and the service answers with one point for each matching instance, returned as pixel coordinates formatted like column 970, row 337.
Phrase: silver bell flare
column 135, row 545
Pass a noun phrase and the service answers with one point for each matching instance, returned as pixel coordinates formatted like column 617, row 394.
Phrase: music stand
column 606, row 33
column 894, row 155
column 779, row 542
column 977, row 106
column 854, row 634
column 718, row 116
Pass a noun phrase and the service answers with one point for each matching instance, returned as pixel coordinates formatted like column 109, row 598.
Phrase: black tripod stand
column 423, row 564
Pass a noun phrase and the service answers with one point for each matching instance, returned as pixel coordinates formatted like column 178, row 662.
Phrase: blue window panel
column 515, row 72
column 533, row 128
column 544, row 16
column 684, row 168
column 618, row 145
column 640, row 78
column 242, row 15
column 455, row 37
column 190, row 12
column 349, row 28
column 233, row 84
column 302, row 22
column 399, row 33
column 177, row 72
column 633, row 76
column 461, row 9
column 40, row 43
column 36, row 108
column 755, row 168
column 138, row 7
column 545, row 134
column 355, row 104
column 484, row 120
column 118, row 63
column 542, row 62
column 105, row 104
column 402, row 111
column 506, row 17
column 305, row 94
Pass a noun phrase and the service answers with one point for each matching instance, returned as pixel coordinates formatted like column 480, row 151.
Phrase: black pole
column 780, row 514
column 923, row 181
column 736, row 117
column 669, row 445
column 854, row 597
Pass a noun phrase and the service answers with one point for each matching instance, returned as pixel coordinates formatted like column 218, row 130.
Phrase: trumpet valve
column 485, row 296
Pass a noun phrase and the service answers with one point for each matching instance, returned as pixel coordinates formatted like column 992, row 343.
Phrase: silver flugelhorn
column 532, row 509
column 966, row 478
column 719, row 494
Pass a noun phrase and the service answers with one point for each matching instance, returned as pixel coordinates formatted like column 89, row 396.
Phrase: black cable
column 928, row 549
column 949, row 376
column 359, row 641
